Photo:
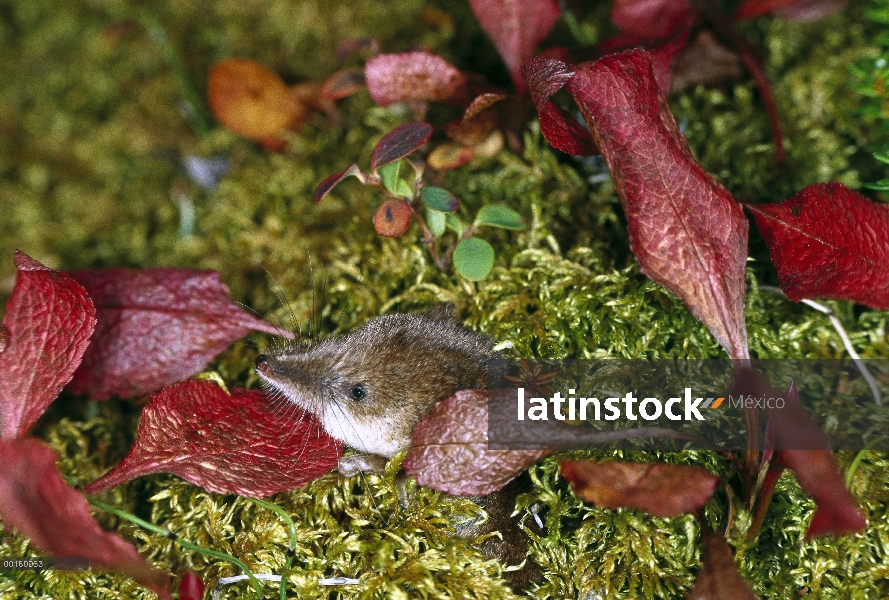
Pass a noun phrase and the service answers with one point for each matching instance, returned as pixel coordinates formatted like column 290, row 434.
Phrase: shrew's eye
column 358, row 392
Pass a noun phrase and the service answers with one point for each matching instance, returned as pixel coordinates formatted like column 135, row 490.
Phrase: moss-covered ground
column 92, row 139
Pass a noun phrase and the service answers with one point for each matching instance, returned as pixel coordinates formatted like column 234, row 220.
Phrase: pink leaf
column 653, row 19
column 662, row 489
column 829, row 242
column 798, row 10
column 414, row 77
column 400, row 142
column 37, row 503
column 238, row 444
column 46, row 328
column 156, row 327
column 516, row 27
column 450, row 449
column 686, row 230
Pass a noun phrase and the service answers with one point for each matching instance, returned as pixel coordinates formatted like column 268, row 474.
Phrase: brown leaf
column 46, row 329
column 662, row 489
column 37, row 503
column 719, row 578
column 392, row 218
column 450, row 449
column 252, row 101
column 238, row 444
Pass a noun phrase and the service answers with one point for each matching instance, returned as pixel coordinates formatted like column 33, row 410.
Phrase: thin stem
column 172, row 536
column 291, row 547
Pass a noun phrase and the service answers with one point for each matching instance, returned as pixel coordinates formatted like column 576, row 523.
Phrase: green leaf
column 389, row 175
column 454, row 223
column 473, row 258
column 439, row 199
column 403, row 190
column 493, row 215
column 435, row 220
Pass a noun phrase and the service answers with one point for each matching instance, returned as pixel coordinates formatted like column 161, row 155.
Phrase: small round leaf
column 392, row 218
column 493, row 215
column 400, row 142
column 439, row 199
column 473, row 258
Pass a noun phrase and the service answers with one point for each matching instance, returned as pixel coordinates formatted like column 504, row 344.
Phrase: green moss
column 92, row 138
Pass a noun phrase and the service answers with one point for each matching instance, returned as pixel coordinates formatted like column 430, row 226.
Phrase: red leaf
column 323, row 188
column 400, row 142
column 37, row 503
column 662, row 489
column 829, row 242
column 156, row 327
column 719, row 578
column 414, row 77
column 798, row 10
column 450, row 449
column 686, row 230
column 479, row 120
column 46, row 329
column 238, row 444
column 653, row 19
column 545, row 77
column 392, row 218
column 191, row 587
column 800, row 445
column 516, row 27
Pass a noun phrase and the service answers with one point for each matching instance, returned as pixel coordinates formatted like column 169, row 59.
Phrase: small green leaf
column 473, row 258
column 435, row 220
column 454, row 223
column 493, row 215
column 389, row 175
column 439, row 199
column 403, row 190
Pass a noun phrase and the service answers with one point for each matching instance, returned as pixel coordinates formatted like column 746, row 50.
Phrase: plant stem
column 172, row 536
column 291, row 547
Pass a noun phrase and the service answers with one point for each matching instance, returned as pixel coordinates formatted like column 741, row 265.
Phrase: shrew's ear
column 443, row 312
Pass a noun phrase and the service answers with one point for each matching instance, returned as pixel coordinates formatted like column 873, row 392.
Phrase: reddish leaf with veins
column 46, row 330
column 400, row 142
column 829, row 242
column 662, row 489
column 719, row 578
column 798, row 10
column 37, row 503
column 156, row 327
column 240, row 444
column 516, row 27
column 686, row 230
column 450, row 449
column 414, row 77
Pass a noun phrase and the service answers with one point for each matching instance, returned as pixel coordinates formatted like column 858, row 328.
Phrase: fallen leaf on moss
column 156, row 327
column 662, row 489
column 686, row 230
column 414, row 77
column 252, row 101
column 239, row 443
column 450, row 451
column 719, row 578
column 37, row 503
column 828, row 241
column 191, row 586
column 47, row 325
column 516, row 27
